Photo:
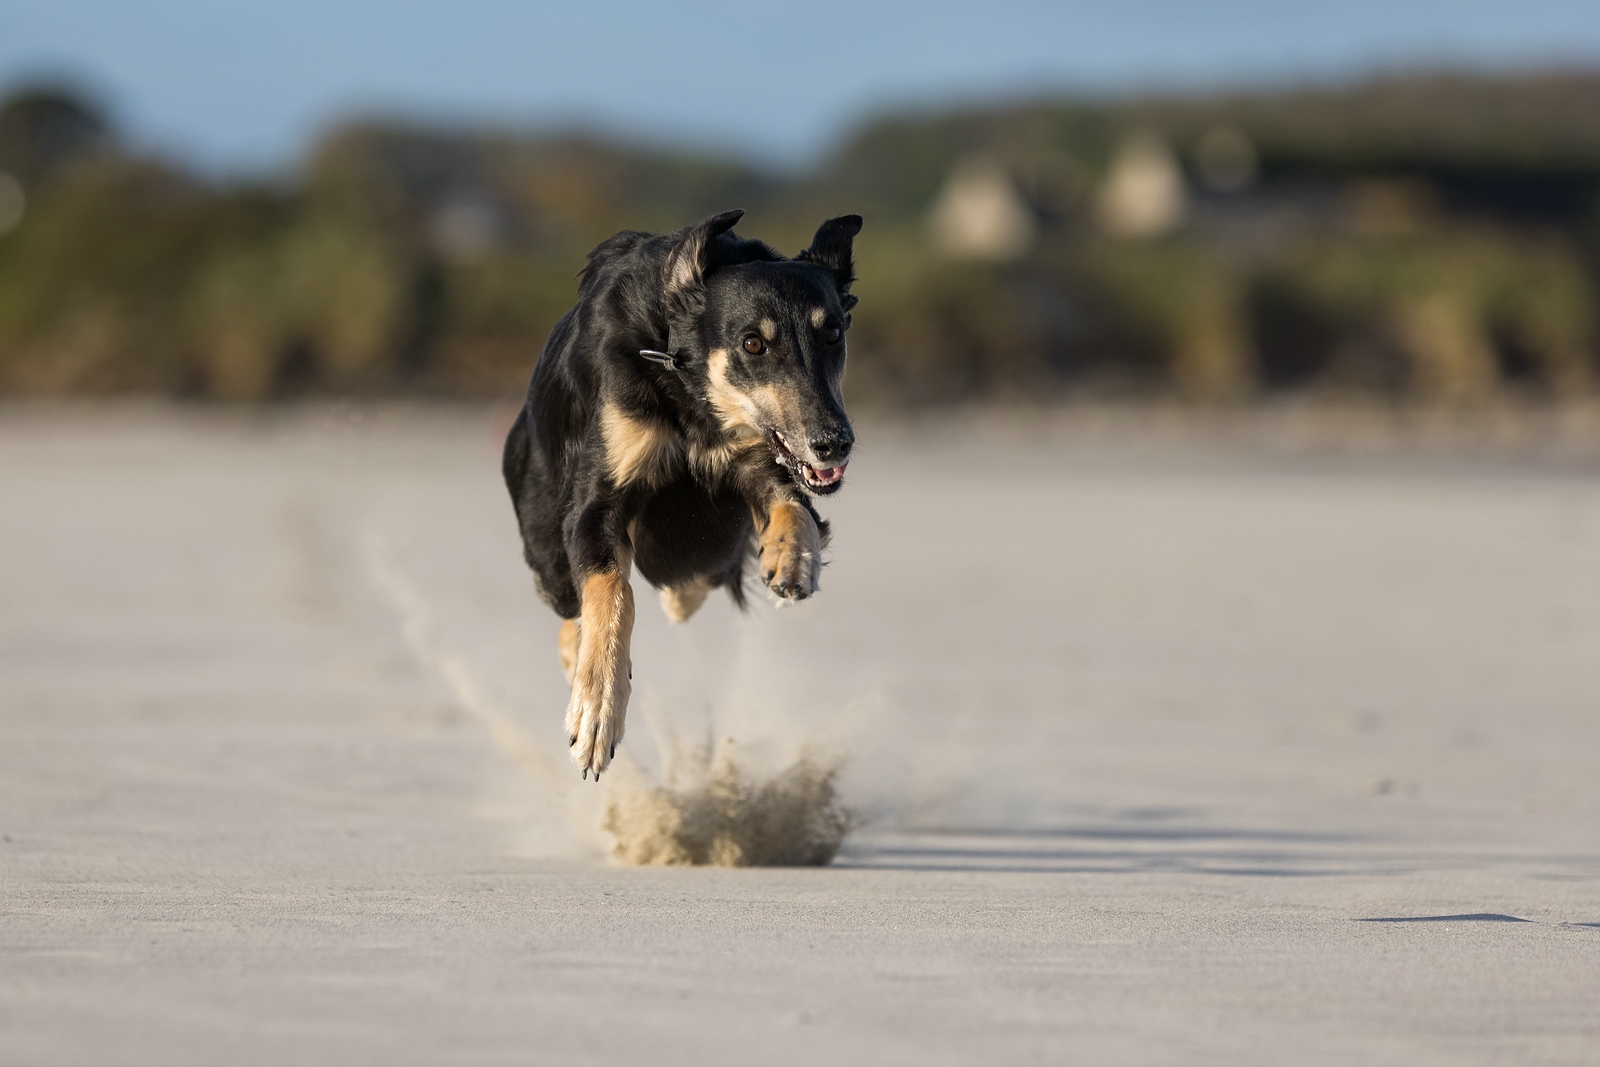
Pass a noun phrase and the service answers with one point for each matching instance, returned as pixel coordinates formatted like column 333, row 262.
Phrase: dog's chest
column 652, row 452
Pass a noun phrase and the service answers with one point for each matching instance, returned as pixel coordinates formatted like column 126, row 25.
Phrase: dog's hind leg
column 568, row 642
column 682, row 601
column 602, row 678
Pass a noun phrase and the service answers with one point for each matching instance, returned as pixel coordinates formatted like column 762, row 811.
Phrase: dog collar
column 669, row 358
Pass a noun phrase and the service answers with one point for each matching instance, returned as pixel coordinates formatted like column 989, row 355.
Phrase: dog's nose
column 833, row 450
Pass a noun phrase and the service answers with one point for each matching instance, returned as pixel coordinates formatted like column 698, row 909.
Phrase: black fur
column 691, row 293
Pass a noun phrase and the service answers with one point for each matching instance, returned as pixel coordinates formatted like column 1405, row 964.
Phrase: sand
column 716, row 812
column 1165, row 748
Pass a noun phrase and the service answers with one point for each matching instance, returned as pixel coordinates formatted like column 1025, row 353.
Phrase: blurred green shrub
column 1431, row 238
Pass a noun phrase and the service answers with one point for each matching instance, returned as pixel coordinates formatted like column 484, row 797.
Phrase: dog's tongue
column 828, row 475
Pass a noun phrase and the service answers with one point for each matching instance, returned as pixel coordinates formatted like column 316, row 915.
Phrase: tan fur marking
column 819, row 315
column 567, row 641
column 714, row 462
column 769, row 400
column 736, row 410
column 682, row 601
column 638, row 450
column 791, row 551
column 744, row 413
column 768, row 328
column 683, row 268
column 601, row 683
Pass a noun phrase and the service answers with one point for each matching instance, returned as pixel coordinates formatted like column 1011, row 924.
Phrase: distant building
column 1143, row 192
column 979, row 214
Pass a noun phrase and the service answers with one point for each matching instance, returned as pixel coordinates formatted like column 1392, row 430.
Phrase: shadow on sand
column 1480, row 917
column 1189, row 849
column 1113, row 850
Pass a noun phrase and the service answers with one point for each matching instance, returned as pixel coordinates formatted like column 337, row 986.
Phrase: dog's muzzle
column 822, row 469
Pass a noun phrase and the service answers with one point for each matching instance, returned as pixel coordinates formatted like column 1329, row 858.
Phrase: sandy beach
column 1165, row 748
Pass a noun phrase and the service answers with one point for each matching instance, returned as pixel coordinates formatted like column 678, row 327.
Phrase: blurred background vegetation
column 1431, row 239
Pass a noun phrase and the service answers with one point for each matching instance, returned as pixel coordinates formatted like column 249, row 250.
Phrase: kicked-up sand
column 714, row 812
column 1131, row 738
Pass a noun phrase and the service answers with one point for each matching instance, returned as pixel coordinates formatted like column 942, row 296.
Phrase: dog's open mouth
column 821, row 480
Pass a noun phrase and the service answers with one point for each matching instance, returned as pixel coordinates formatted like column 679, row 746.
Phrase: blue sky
column 236, row 86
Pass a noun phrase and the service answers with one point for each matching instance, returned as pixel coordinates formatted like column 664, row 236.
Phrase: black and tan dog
column 680, row 418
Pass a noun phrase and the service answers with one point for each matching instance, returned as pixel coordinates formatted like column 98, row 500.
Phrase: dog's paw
column 595, row 717
column 791, row 553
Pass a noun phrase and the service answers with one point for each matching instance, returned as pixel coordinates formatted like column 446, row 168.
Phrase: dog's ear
column 686, row 263
column 831, row 250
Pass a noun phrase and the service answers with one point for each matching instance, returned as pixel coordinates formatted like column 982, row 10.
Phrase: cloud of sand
column 712, row 810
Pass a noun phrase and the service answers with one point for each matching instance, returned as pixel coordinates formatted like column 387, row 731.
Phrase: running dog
column 681, row 418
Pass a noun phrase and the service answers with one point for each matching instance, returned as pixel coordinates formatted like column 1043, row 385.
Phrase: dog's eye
column 831, row 335
column 754, row 345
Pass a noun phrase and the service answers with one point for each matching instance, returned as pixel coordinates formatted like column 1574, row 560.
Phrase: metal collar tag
column 669, row 358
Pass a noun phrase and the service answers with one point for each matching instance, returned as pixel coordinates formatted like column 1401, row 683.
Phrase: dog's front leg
column 790, row 543
column 601, row 680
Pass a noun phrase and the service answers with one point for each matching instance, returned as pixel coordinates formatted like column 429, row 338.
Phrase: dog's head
column 763, row 340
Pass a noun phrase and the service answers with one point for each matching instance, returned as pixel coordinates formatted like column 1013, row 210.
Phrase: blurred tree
column 1433, row 237
column 43, row 128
